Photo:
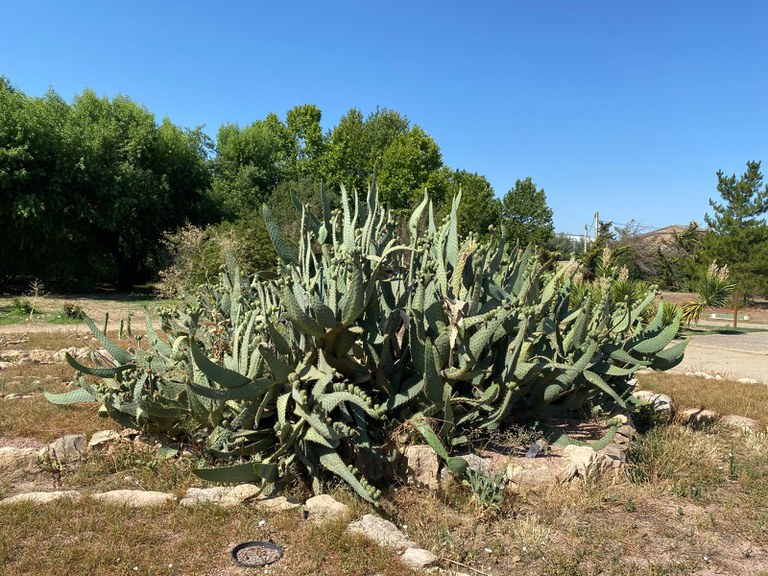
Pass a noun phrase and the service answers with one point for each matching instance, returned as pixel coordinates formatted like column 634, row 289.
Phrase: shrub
column 196, row 256
column 360, row 333
column 72, row 311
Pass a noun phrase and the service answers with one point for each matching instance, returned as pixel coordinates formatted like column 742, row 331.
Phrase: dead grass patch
column 52, row 340
column 37, row 418
column 90, row 538
column 722, row 396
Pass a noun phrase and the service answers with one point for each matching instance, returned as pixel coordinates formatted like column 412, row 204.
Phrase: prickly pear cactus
column 311, row 371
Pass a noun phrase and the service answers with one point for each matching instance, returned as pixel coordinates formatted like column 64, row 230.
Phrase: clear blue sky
column 628, row 108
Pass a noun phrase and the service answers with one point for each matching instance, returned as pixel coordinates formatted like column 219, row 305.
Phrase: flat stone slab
column 534, row 474
column 42, row 497
column 134, row 498
column 276, row 504
column 381, row 531
column 741, row 423
column 422, row 466
column 225, row 496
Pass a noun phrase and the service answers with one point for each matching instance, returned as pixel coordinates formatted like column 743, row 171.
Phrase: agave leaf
column 277, row 366
column 330, row 401
column 332, row 462
column 354, row 302
column 413, row 222
column 452, row 241
column 299, row 317
column 222, row 376
column 660, row 340
column 601, row 384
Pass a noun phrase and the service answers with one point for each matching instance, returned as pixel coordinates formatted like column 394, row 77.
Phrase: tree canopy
column 738, row 235
column 89, row 189
column 525, row 215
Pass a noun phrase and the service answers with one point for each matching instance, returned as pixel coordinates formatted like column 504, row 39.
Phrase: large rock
column 324, row 508
column 422, row 466
column 741, row 423
column 697, row 417
column 65, row 450
column 535, row 474
column 608, row 463
column 660, row 407
column 103, row 439
column 226, row 496
column 18, row 464
column 42, row 497
column 381, row 531
column 418, row 558
column 475, row 463
column 134, row 498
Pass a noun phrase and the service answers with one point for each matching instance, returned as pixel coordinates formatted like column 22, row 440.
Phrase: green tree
column 307, row 141
column 738, row 234
column 404, row 156
column 525, row 215
column 87, row 189
column 405, row 168
column 249, row 163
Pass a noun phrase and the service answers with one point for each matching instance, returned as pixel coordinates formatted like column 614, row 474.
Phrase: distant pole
column 597, row 222
column 585, row 238
column 735, row 307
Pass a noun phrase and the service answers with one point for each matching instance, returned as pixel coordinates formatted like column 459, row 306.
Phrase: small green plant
column 23, row 305
column 487, row 488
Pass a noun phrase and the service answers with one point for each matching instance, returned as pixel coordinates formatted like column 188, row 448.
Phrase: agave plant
column 311, row 370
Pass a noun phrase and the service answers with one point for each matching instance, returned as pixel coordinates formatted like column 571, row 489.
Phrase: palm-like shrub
column 311, row 370
column 715, row 289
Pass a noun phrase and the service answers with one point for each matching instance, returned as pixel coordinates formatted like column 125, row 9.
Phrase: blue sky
column 628, row 108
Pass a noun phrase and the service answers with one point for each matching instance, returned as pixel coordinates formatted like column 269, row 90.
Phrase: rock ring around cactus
column 256, row 553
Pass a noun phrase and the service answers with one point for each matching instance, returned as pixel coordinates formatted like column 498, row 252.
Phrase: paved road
column 732, row 356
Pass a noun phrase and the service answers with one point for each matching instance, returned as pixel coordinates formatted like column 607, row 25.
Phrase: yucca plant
column 362, row 332
column 715, row 289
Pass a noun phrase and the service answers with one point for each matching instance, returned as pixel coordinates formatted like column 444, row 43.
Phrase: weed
column 487, row 489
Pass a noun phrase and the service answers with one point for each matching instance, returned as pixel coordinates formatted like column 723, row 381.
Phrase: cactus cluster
column 310, row 370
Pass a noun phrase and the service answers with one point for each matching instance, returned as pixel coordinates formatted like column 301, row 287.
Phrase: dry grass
column 37, row 418
column 722, row 396
column 45, row 340
column 90, row 538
